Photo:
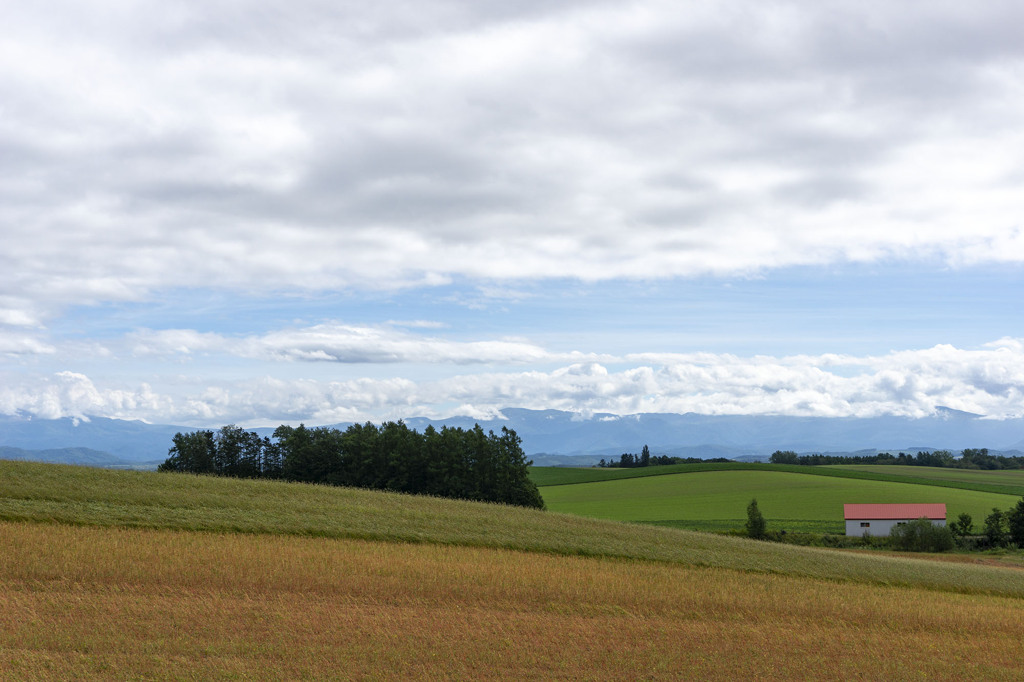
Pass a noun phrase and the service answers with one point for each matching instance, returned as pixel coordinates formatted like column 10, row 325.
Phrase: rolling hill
column 708, row 497
column 33, row 492
column 137, row 575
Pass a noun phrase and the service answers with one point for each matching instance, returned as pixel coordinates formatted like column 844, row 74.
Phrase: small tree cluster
column 784, row 457
column 1005, row 527
column 231, row 451
column 963, row 525
column 465, row 464
column 628, row 460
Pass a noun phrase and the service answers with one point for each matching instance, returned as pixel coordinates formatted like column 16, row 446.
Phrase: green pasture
column 1011, row 479
column 715, row 500
column 1001, row 482
column 544, row 476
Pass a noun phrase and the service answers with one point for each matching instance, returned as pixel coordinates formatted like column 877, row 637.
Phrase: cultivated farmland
column 1011, row 479
column 791, row 498
column 127, row 575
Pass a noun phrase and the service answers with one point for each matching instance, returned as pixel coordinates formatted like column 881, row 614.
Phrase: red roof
column 894, row 511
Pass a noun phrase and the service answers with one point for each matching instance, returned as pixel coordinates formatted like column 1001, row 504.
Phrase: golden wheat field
column 111, row 603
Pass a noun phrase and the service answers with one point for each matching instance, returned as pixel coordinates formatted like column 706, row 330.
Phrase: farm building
column 879, row 519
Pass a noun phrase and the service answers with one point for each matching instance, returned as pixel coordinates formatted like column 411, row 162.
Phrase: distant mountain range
column 565, row 438
column 84, row 456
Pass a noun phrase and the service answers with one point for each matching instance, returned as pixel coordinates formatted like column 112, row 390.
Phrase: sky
column 321, row 212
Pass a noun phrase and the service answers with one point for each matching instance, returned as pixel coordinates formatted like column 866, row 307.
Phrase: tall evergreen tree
column 191, row 452
column 1015, row 523
column 995, row 528
column 296, row 445
column 756, row 524
column 229, row 446
column 516, row 485
column 270, row 462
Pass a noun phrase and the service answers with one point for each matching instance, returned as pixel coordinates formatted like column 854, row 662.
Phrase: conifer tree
column 756, row 524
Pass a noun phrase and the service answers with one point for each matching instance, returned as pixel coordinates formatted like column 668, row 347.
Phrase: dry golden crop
column 114, row 603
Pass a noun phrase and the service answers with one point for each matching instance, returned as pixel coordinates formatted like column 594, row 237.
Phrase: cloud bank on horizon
column 221, row 212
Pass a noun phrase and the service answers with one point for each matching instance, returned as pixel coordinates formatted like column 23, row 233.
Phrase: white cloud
column 15, row 343
column 15, row 315
column 340, row 343
column 71, row 394
column 418, row 324
column 148, row 146
column 176, row 342
column 911, row 383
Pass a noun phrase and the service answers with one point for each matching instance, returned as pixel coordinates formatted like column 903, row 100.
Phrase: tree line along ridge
column 628, row 460
column 970, row 458
column 451, row 462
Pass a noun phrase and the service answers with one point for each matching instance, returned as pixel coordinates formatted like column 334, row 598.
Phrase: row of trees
column 969, row 459
column 1001, row 528
column 645, row 459
column 1005, row 527
column 450, row 462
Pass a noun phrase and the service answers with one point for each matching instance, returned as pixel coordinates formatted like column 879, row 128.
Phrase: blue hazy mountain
column 84, row 456
column 695, row 435
column 553, row 432
column 127, row 442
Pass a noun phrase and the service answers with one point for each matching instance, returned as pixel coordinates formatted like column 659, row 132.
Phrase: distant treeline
column 452, row 462
column 645, row 459
column 969, row 459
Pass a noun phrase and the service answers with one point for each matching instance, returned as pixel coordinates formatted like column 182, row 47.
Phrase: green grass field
column 1000, row 482
column 1012, row 479
column 547, row 476
column 717, row 499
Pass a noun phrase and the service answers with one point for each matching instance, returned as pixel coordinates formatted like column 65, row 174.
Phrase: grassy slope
column 84, row 597
column 790, row 501
column 95, row 497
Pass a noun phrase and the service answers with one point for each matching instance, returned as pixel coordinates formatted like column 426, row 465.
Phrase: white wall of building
column 877, row 527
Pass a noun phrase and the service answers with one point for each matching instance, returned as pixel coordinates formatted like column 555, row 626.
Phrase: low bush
column 971, row 543
column 921, row 535
column 830, row 540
